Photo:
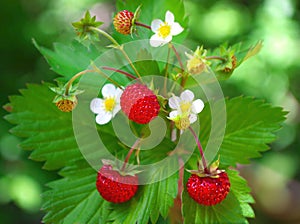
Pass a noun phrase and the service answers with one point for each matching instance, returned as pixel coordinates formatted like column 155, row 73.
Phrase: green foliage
column 47, row 131
column 249, row 128
column 75, row 199
column 69, row 60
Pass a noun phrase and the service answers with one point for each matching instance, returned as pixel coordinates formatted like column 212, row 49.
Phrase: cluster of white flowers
column 184, row 108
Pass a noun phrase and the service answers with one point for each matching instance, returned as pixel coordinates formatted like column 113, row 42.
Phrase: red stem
column 119, row 71
column 178, row 57
column 200, row 150
column 143, row 25
column 129, row 153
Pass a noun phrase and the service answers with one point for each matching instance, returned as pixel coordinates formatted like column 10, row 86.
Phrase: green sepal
column 82, row 27
column 213, row 169
column 136, row 15
column 233, row 57
column 60, row 90
column 117, row 165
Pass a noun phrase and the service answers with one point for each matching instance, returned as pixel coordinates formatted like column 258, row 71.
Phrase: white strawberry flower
column 185, row 109
column 107, row 107
column 164, row 31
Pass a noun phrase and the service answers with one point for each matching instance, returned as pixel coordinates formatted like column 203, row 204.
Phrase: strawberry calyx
column 212, row 171
column 65, row 100
column 128, row 170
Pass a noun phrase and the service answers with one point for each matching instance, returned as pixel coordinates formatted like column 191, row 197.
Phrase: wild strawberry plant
column 138, row 127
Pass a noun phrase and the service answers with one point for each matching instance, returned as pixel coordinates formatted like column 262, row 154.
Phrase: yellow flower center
column 183, row 123
column 185, row 107
column 109, row 104
column 164, row 30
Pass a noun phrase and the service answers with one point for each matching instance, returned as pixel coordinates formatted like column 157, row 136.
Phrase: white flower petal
column 174, row 102
column 156, row 24
column 103, row 118
column 197, row 106
column 108, row 90
column 156, row 41
column 169, row 18
column 118, row 92
column 187, row 96
column 176, row 29
column 116, row 109
column 193, row 118
column 96, row 105
column 173, row 114
column 168, row 39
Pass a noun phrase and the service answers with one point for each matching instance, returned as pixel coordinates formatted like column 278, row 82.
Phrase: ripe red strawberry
column 139, row 103
column 123, row 22
column 114, row 187
column 208, row 190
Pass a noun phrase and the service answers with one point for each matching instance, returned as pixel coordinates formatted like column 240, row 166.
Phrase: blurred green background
column 272, row 75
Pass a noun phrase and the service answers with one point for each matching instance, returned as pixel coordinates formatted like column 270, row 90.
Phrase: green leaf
column 250, row 127
column 145, row 63
column 74, row 199
column 151, row 201
column 234, row 209
column 46, row 129
column 253, row 50
column 68, row 60
column 151, row 10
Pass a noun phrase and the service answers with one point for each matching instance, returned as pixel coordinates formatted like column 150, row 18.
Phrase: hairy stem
column 178, row 57
column 137, row 142
column 166, row 72
column 200, row 150
column 118, row 46
column 106, row 76
column 142, row 25
column 119, row 71
column 215, row 57
column 69, row 83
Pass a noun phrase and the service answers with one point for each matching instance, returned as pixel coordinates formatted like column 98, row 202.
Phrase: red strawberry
column 208, row 190
column 114, row 187
column 123, row 22
column 139, row 103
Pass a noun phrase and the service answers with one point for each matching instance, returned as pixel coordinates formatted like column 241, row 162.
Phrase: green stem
column 137, row 142
column 166, row 72
column 200, row 150
column 69, row 83
column 118, row 46
column 103, row 33
column 215, row 57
